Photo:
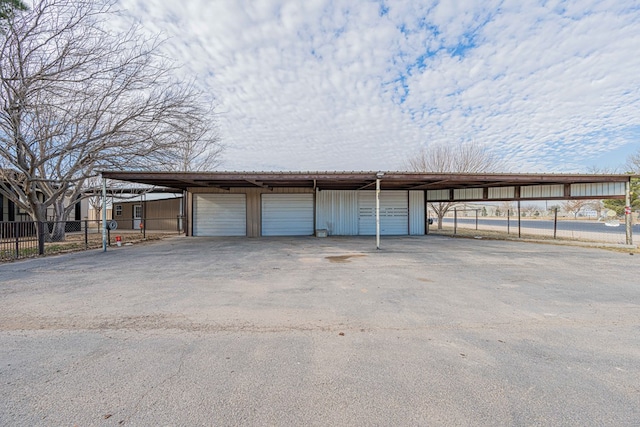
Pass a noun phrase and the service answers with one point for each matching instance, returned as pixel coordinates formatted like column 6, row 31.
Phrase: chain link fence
column 542, row 225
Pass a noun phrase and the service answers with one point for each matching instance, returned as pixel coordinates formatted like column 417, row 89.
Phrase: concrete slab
column 305, row 331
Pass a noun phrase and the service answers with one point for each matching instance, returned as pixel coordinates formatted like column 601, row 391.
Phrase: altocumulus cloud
column 552, row 86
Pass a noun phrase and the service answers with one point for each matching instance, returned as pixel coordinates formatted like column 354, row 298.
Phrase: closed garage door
column 287, row 214
column 394, row 213
column 220, row 215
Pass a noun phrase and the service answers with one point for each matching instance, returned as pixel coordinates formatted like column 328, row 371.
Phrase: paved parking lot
column 306, row 331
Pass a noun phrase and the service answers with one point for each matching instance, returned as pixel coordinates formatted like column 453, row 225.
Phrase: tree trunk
column 53, row 231
column 59, row 224
column 440, row 221
column 40, row 211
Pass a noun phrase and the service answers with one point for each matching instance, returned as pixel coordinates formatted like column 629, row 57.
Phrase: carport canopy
column 591, row 185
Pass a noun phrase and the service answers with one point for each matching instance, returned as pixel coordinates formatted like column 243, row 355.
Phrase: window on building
column 118, row 210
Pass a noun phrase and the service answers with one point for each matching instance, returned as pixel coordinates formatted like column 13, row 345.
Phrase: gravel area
column 322, row 331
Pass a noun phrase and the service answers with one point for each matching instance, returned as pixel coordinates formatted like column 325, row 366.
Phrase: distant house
column 10, row 212
column 7, row 209
column 164, row 214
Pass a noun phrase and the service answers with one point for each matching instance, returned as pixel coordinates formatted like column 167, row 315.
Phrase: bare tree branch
column 633, row 163
column 464, row 158
column 76, row 97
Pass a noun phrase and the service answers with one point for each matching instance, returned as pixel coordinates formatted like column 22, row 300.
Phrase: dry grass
column 466, row 233
column 75, row 242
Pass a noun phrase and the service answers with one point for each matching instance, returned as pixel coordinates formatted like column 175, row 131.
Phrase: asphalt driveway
column 306, row 331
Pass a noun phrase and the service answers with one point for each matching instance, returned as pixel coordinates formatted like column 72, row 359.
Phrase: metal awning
column 353, row 180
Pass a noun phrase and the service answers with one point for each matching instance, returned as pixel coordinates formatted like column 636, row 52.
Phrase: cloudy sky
column 552, row 86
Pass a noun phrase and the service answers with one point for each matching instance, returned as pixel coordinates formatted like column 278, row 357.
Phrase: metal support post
column 455, row 221
column 627, row 212
column 519, row 220
column 104, row 214
column 378, row 212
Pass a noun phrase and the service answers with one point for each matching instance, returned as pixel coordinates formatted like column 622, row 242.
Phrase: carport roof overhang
column 354, row 180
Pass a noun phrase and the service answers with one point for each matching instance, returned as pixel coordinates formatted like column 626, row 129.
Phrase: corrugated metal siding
column 337, row 212
column 416, row 213
column 541, row 191
column 287, row 215
column 467, row 194
column 598, row 189
column 162, row 214
column 125, row 219
column 502, row 192
column 394, row 213
column 219, row 215
column 438, row 195
column 247, row 190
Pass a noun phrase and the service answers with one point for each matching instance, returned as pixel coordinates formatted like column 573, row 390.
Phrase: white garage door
column 219, row 215
column 394, row 213
column 287, row 214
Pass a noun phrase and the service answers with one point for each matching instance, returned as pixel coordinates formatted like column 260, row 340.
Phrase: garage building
column 257, row 204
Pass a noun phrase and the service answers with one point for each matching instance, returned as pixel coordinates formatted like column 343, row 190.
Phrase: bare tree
column 77, row 97
column 602, row 170
column 469, row 157
column 530, row 210
column 575, row 206
column 633, row 163
column 200, row 150
column 508, row 208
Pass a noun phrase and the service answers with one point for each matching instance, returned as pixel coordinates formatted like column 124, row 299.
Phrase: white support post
column 377, row 213
column 627, row 212
column 104, row 214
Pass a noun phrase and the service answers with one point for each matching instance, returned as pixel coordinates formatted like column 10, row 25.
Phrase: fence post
column 477, row 219
column 40, row 238
column 86, row 234
column 16, row 235
column 555, row 222
column 426, row 229
column 455, row 221
column 519, row 220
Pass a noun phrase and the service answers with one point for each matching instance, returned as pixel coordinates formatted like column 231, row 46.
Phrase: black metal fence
column 24, row 239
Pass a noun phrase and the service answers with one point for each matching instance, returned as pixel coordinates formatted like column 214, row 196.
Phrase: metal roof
column 354, row 180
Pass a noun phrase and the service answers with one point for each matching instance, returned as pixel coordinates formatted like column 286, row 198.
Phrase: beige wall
column 254, row 205
column 158, row 214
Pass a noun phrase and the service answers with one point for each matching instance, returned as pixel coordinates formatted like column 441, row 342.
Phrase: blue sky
column 551, row 86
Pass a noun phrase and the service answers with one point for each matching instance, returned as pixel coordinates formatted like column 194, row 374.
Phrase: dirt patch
column 343, row 258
